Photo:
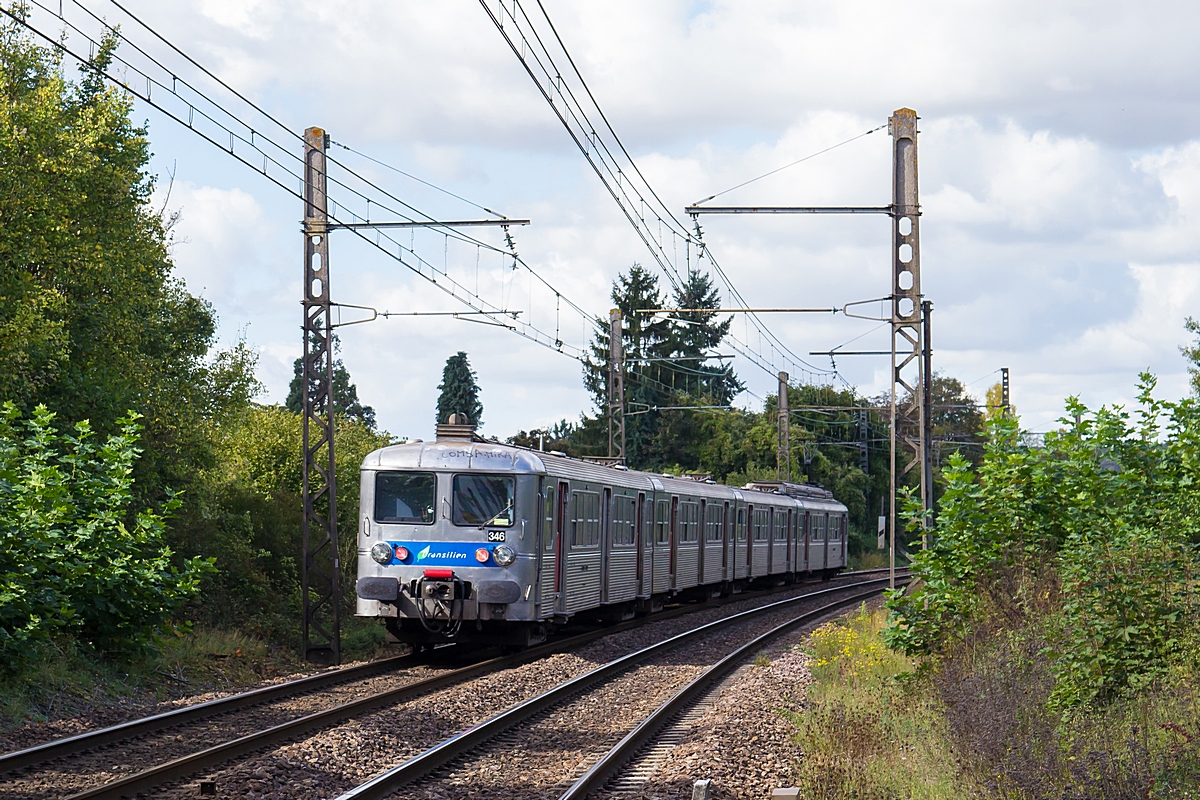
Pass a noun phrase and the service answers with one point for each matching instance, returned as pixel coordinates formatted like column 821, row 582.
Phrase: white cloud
column 1060, row 168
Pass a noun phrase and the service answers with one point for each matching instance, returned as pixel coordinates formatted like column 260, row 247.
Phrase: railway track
column 572, row 728
column 202, row 737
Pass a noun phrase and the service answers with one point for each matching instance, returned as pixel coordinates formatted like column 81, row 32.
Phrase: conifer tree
column 459, row 392
column 698, row 334
column 345, row 393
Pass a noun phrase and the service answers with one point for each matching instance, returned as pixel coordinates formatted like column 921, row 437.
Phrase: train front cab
column 447, row 541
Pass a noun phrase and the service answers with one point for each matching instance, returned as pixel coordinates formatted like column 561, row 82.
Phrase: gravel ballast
column 333, row 761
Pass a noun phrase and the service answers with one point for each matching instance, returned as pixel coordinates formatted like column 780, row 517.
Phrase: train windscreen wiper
column 497, row 514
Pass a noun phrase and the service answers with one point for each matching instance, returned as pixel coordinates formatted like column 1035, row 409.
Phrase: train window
column 483, row 500
column 713, row 522
column 406, row 497
column 835, row 531
column 585, row 519
column 624, row 520
column 662, row 522
column 548, row 525
column 689, row 516
column 819, row 527
column 741, row 525
column 780, row 526
column 760, row 524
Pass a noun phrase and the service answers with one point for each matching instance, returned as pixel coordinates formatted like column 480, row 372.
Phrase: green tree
column 696, row 334
column 994, row 403
column 958, row 424
column 250, row 516
column 92, row 322
column 345, row 393
column 1090, row 539
column 459, row 392
column 642, row 337
column 1192, row 354
column 663, row 369
column 76, row 553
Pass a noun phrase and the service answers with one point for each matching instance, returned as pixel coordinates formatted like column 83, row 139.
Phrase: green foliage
column 459, row 392
column 249, row 520
column 345, row 393
column 1093, row 535
column 994, row 402
column 74, row 555
column 92, row 322
column 1192, row 354
column 663, row 367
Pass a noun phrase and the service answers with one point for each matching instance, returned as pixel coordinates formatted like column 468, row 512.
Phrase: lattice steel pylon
column 1005, row 403
column 319, row 566
column 783, row 453
column 616, row 387
column 908, row 339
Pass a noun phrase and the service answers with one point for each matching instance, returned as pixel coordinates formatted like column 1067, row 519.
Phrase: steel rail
column 608, row 766
column 448, row 750
column 189, row 764
column 71, row 745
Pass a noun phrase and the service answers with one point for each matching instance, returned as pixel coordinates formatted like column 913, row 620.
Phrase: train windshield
column 405, row 497
column 483, row 500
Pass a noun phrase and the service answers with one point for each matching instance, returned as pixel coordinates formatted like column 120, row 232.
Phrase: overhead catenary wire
column 421, row 181
column 791, row 164
column 420, row 216
column 253, row 139
column 520, row 33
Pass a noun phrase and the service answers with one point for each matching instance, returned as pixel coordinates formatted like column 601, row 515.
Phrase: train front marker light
column 401, row 553
column 381, row 552
column 504, row 555
column 482, row 555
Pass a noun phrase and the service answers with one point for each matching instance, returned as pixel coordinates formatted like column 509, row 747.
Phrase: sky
column 1059, row 177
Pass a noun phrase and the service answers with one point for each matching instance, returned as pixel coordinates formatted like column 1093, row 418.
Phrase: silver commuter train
column 467, row 540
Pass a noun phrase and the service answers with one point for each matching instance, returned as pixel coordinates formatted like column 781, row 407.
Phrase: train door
column 639, row 539
column 726, row 525
column 673, row 544
column 661, row 580
column 749, row 536
column 772, row 521
column 545, row 544
column 605, row 540
column 560, row 546
column 845, row 540
column 702, row 537
column 790, row 537
column 822, row 536
column 807, row 527
column 739, row 543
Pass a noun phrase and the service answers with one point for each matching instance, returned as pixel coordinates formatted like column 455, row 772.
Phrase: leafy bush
column 73, row 555
column 1092, row 535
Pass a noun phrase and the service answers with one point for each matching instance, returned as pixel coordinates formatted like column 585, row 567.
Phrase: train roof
column 457, row 455
column 460, row 454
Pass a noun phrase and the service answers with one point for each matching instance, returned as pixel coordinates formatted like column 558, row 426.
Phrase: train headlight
column 381, row 552
column 504, row 555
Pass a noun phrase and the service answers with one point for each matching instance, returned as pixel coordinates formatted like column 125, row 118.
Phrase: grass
column 66, row 679
column 871, row 730
column 976, row 724
column 869, row 559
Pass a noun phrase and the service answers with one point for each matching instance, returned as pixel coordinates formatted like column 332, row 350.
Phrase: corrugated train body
column 483, row 542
